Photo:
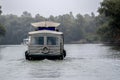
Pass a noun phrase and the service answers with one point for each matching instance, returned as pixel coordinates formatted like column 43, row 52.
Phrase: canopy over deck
column 45, row 24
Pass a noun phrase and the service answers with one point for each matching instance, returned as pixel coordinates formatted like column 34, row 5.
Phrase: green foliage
column 0, row 10
column 75, row 29
column 110, row 31
column 2, row 29
column 110, row 8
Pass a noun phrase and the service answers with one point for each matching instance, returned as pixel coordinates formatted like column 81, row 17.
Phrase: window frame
column 56, row 40
column 33, row 41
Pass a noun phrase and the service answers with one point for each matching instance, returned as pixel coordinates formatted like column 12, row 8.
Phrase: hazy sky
column 49, row 7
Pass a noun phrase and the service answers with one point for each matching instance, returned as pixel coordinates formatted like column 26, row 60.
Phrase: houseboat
column 45, row 42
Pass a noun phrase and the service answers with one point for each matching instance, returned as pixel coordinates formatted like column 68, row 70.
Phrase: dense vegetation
column 76, row 29
column 110, row 29
column 2, row 29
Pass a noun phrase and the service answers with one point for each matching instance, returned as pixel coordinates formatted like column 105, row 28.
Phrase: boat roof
column 45, row 24
column 45, row 31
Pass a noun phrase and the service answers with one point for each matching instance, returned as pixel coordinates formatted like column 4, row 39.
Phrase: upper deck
column 45, row 25
column 45, row 32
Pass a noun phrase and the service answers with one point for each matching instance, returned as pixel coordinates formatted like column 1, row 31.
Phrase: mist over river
column 83, row 62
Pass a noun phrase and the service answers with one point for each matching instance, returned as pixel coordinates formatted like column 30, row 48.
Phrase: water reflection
column 114, row 52
column 117, row 48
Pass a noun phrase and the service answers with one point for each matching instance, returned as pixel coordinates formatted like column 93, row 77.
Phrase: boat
column 46, row 42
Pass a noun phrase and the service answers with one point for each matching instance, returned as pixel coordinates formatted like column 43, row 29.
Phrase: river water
column 83, row 62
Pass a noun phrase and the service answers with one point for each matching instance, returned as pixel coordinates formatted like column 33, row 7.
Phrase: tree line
column 76, row 29
column 86, row 28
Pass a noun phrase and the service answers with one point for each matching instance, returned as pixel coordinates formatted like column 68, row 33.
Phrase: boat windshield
column 52, row 40
column 39, row 40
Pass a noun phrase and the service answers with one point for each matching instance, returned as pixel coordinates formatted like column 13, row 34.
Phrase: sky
column 49, row 7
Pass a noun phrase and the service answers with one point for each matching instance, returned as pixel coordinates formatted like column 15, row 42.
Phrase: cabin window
column 39, row 40
column 52, row 41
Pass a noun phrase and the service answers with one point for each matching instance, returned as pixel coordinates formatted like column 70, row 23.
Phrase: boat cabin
column 45, row 41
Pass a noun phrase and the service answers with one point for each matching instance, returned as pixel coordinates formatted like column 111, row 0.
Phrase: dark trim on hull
column 44, row 56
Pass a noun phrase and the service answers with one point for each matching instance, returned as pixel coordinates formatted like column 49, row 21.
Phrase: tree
column 51, row 18
column 111, row 10
column 2, row 29
column 39, row 18
column 0, row 10
column 26, row 14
